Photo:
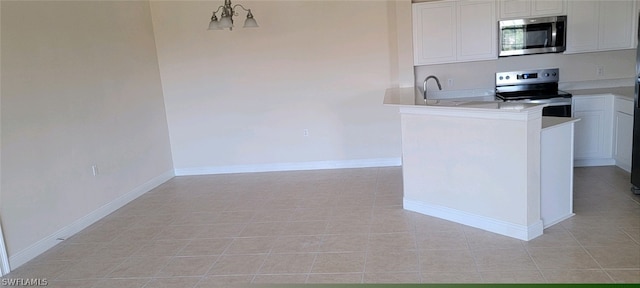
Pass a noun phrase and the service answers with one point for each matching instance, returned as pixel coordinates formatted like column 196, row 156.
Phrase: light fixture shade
column 225, row 22
column 250, row 23
column 213, row 25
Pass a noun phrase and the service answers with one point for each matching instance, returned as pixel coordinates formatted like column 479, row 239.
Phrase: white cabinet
column 434, row 32
column 548, row 7
column 617, row 22
column 477, row 31
column 454, row 31
column 623, row 132
column 593, row 133
column 601, row 25
column 531, row 8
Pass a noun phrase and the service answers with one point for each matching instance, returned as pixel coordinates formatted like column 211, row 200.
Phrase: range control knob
column 501, row 78
column 508, row 77
column 546, row 74
column 554, row 74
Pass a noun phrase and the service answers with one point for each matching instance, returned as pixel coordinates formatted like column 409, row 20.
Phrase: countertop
column 411, row 96
column 625, row 92
column 549, row 121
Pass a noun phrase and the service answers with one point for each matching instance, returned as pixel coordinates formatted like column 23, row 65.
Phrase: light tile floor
column 336, row 226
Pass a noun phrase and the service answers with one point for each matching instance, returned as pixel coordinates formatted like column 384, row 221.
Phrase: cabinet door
column 477, row 31
column 594, row 132
column 582, row 26
column 616, row 25
column 588, row 134
column 623, row 139
column 601, row 25
column 547, row 7
column 515, row 8
column 434, row 32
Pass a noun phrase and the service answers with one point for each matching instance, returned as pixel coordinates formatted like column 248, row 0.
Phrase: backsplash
column 577, row 71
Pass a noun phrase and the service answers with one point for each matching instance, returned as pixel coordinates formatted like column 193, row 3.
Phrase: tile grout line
column 526, row 249
column 473, row 255
column 415, row 240
column 367, row 250
column 591, row 256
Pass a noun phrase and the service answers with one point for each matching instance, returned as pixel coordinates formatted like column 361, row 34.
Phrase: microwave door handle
column 553, row 34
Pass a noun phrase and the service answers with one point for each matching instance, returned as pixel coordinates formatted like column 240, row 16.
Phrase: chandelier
column 226, row 18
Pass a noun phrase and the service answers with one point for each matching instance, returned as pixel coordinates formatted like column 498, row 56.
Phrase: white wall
column 242, row 98
column 80, row 87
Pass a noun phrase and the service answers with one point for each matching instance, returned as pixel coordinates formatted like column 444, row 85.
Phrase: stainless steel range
column 535, row 86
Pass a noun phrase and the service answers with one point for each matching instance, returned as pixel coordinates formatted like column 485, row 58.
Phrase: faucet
column 424, row 84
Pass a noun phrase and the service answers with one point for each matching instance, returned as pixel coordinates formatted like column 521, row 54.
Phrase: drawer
column 624, row 105
column 589, row 103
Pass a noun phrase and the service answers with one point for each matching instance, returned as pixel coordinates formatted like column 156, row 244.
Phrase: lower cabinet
column 623, row 132
column 593, row 133
column 604, row 134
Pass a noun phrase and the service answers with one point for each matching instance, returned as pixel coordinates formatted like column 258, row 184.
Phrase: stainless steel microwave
column 532, row 36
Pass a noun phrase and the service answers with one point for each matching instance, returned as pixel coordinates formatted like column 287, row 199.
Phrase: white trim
column 48, row 242
column 624, row 166
column 294, row 166
column 5, row 268
column 482, row 222
column 556, row 221
column 594, row 162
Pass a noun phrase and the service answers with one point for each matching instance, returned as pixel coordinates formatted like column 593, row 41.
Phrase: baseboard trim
column 481, row 222
column 48, row 242
column 558, row 220
column 594, row 162
column 624, row 166
column 294, row 166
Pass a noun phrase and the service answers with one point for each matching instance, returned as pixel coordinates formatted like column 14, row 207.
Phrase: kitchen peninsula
column 497, row 166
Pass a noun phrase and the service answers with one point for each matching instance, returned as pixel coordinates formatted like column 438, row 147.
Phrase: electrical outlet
column 305, row 132
column 599, row 70
column 94, row 170
column 449, row 83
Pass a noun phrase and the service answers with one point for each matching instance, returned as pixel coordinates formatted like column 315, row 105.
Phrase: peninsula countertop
column 412, row 97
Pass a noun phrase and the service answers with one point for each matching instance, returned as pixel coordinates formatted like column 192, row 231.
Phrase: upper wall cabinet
column 601, row 25
column 454, row 31
column 510, row 9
